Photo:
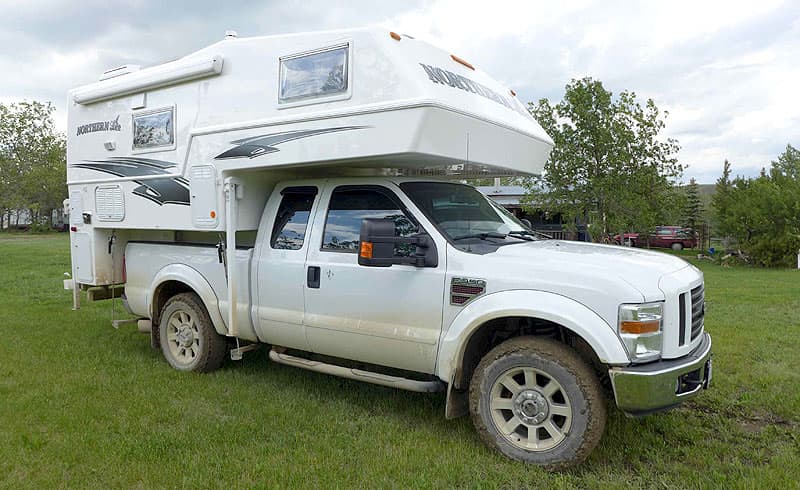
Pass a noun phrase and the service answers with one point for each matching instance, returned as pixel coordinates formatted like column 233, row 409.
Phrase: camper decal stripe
column 256, row 146
column 169, row 190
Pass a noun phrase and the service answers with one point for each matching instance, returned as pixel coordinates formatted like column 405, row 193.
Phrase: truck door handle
column 313, row 276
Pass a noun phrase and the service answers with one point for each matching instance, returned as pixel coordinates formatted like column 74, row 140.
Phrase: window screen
column 317, row 74
column 289, row 231
column 346, row 210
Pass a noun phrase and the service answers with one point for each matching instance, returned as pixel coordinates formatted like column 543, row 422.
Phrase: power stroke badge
column 93, row 127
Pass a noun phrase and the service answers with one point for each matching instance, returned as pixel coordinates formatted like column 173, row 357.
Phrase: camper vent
column 119, row 71
column 110, row 203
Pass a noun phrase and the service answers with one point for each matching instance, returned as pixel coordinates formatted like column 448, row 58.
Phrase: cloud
column 724, row 70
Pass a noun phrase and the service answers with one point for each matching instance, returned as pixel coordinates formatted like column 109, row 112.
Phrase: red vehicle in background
column 674, row 237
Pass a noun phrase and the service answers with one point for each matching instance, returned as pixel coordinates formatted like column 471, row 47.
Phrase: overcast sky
column 727, row 71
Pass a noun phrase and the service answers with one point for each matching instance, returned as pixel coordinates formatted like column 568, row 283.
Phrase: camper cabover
column 304, row 192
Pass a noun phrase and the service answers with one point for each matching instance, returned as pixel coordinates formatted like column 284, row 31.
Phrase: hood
column 601, row 277
column 594, row 254
column 639, row 268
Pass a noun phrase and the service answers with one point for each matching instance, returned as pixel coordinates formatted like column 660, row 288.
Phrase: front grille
column 698, row 310
column 696, row 297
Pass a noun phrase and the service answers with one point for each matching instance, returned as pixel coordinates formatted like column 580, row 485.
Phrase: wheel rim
column 183, row 337
column 530, row 409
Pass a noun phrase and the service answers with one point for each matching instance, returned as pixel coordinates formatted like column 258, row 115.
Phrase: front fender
column 578, row 318
column 192, row 278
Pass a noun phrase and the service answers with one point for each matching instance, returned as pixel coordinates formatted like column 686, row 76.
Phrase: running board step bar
column 357, row 374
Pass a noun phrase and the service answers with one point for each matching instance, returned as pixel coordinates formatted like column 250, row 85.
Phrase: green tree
column 721, row 200
column 610, row 165
column 763, row 214
column 32, row 161
column 693, row 208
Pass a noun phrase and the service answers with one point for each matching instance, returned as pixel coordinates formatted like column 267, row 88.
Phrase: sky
column 726, row 71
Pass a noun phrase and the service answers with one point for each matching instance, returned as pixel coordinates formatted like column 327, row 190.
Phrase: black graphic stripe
column 256, row 146
column 168, row 190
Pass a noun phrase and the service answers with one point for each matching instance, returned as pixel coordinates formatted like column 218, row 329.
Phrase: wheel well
column 498, row 330
column 163, row 293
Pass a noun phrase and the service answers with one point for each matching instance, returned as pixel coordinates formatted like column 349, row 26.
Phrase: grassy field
column 84, row 405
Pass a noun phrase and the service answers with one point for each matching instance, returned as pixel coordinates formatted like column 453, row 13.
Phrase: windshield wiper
column 482, row 236
column 529, row 234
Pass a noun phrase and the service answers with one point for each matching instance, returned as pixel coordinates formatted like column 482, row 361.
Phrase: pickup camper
column 305, row 192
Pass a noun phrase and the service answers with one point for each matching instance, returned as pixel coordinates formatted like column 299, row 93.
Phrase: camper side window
column 291, row 222
column 323, row 73
column 349, row 206
column 154, row 129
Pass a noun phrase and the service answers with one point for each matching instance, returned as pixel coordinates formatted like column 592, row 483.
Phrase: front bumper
column 641, row 390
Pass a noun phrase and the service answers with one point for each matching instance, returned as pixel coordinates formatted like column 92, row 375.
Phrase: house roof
column 504, row 195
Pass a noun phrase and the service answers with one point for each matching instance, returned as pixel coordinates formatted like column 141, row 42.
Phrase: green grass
column 84, row 405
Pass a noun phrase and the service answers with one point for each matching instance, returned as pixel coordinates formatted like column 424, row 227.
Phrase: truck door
column 280, row 275
column 389, row 316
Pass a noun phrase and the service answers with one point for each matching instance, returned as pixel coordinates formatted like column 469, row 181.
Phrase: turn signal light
column 366, row 250
column 639, row 327
column 395, row 36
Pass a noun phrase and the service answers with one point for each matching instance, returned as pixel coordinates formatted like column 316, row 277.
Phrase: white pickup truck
column 294, row 177
column 426, row 285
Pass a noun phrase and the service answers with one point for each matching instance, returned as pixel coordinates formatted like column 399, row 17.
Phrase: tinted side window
column 291, row 222
column 346, row 210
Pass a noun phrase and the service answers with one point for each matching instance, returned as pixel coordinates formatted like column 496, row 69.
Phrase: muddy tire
column 535, row 400
column 188, row 339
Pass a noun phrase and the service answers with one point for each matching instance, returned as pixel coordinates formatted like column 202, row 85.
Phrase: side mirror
column 527, row 223
column 377, row 243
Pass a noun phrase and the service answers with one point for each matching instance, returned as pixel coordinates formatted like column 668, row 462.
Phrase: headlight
column 640, row 330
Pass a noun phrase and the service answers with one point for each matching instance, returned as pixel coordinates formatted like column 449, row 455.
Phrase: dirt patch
column 751, row 424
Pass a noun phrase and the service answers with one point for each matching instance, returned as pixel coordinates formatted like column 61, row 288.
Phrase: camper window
column 318, row 74
column 154, row 129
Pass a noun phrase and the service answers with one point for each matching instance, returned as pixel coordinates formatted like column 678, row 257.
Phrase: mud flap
column 155, row 341
column 457, row 402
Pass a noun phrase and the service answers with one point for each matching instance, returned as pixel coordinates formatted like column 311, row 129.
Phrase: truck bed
column 148, row 263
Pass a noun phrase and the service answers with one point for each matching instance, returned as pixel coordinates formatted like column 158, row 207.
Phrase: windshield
column 465, row 216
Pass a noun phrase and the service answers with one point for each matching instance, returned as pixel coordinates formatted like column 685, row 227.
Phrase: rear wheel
column 677, row 247
column 535, row 400
column 188, row 339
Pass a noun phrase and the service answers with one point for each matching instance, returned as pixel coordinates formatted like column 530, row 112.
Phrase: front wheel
column 535, row 400
column 188, row 339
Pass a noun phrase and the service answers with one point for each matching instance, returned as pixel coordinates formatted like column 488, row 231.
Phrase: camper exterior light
column 462, row 61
